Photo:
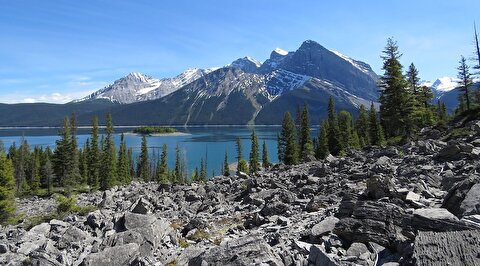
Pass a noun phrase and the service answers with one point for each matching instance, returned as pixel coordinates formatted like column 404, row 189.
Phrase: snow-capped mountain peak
column 247, row 64
column 442, row 84
column 280, row 51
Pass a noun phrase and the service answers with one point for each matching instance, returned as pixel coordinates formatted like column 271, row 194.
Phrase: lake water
column 202, row 142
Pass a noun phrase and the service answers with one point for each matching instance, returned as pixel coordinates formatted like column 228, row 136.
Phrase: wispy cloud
column 74, row 88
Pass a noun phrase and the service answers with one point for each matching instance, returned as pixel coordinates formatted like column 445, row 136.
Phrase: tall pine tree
column 334, row 145
column 254, row 164
column 466, row 80
column 265, row 160
column 123, row 167
column 375, row 129
column 395, row 111
column 322, row 143
column 162, row 167
column 305, row 143
column 226, row 169
column 108, row 168
column 62, row 154
column 361, row 126
column 94, row 156
column 7, row 188
column 287, row 141
column 143, row 168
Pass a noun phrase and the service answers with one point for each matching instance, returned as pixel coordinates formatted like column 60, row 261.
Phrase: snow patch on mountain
column 354, row 63
column 280, row 81
column 280, row 51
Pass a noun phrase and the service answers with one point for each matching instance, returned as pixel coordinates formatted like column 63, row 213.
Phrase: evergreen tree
column 466, row 80
column 395, row 110
column 226, row 169
column 123, row 166
column 7, row 188
column 361, row 126
column 162, row 167
column 94, row 156
column 241, row 163
column 334, row 145
column 35, row 170
column 376, row 132
column 413, row 79
column 288, row 141
column 143, row 168
column 441, row 112
column 47, row 172
column 178, row 167
column 195, row 175
column 305, row 144
column 477, row 51
column 254, row 164
column 265, row 161
column 73, row 167
column 84, row 162
column 203, row 171
column 322, row 143
column 131, row 162
column 108, row 168
column 347, row 135
column 62, row 154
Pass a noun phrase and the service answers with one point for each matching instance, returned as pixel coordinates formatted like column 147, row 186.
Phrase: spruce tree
column 179, row 175
column 334, row 145
column 74, row 176
column 195, row 175
column 413, row 79
column 162, row 167
column 254, row 162
column 265, row 160
column 108, row 168
column 395, row 112
column 62, row 154
column 242, row 165
column 94, row 156
column 143, row 168
column 203, row 171
column 47, row 172
column 305, row 144
column 288, row 141
column 477, row 52
column 226, row 169
column 7, row 188
column 361, row 126
column 466, row 80
column 322, row 143
column 375, row 129
column 123, row 166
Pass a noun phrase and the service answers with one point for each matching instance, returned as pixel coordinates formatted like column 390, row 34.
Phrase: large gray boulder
column 325, row 226
column 118, row 255
column 458, row 193
column 447, row 248
column 318, row 257
column 248, row 250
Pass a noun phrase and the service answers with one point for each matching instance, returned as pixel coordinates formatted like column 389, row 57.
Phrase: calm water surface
column 202, row 142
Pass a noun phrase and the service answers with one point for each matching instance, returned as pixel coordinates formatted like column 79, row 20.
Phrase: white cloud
column 75, row 88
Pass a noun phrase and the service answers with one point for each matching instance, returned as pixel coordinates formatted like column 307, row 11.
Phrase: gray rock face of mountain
column 137, row 87
column 314, row 60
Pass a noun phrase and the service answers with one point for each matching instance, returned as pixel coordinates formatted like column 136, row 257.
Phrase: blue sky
column 56, row 51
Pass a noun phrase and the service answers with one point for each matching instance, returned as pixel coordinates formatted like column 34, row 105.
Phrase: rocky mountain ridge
column 381, row 206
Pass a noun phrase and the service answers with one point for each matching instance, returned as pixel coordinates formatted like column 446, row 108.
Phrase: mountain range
column 245, row 91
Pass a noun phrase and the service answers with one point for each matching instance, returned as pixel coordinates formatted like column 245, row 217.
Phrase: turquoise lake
column 202, row 142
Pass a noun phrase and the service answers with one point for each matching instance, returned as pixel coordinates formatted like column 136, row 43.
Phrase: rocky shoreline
column 414, row 204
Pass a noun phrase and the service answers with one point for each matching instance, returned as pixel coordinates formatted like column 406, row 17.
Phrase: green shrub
column 66, row 204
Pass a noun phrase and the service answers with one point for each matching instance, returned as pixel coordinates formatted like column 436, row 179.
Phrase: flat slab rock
column 447, row 248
